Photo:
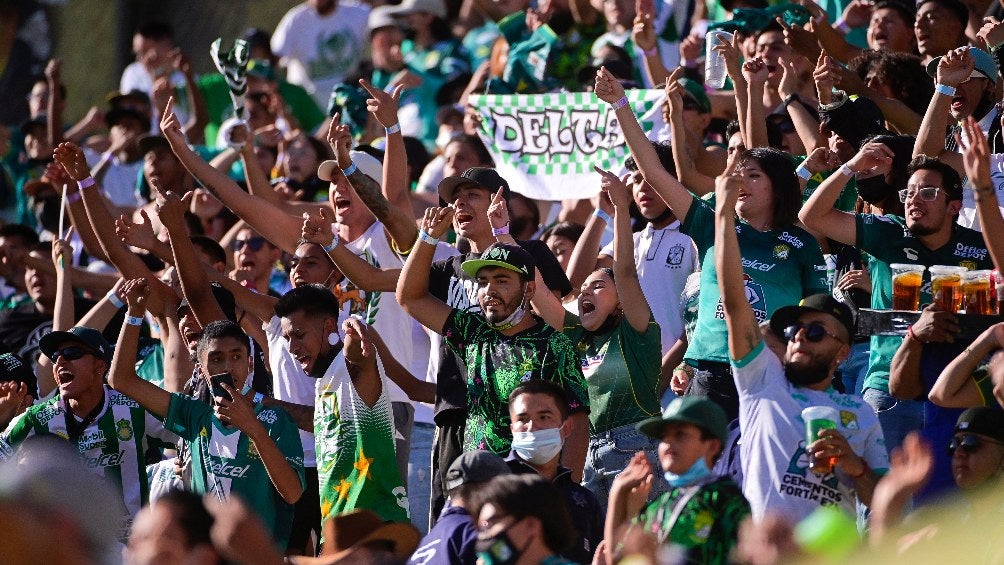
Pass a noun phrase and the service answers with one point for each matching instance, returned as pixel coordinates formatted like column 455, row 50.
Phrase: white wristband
column 845, row 170
column 602, row 215
column 115, row 300
column 426, row 238
column 802, row 172
column 944, row 89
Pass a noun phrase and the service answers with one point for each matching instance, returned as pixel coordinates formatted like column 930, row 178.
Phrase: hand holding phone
column 216, row 382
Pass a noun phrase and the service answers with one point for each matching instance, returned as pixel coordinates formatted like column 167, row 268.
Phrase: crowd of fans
column 321, row 327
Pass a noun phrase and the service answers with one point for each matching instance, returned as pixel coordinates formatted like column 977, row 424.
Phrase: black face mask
column 875, row 190
column 807, row 375
column 497, row 550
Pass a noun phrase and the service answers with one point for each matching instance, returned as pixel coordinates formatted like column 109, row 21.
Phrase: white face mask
column 537, row 447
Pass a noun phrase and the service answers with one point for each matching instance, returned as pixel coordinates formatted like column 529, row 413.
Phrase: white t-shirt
column 664, row 259
column 775, row 464
column 320, row 51
column 289, row 382
column 120, row 180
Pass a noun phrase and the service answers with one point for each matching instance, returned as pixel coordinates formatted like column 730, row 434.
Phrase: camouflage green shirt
column 497, row 364
column 708, row 525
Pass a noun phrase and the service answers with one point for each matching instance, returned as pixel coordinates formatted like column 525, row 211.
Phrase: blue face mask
column 696, row 472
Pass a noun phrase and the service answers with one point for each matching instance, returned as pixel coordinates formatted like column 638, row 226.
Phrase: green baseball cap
column 696, row 91
column 693, row 410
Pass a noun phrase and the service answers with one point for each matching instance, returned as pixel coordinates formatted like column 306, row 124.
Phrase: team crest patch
column 781, row 251
column 970, row 265
column 123, row 429
column 253, row 451
column 849, row 419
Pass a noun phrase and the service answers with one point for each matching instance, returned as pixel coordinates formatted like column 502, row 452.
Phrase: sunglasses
column 254, row 243
column 926, row 193
column 969, row 443
column 814, row 332
column 71, row 353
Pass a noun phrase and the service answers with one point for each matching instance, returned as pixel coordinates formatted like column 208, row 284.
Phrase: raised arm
column 55, row 104
column 141, row 235
column 122, row 375
column 413, row 287
column 805, row 123
column 584, row 259
column 644, row 37
column 416, row 389
column 677, row 197
column 399, row 223
column 686, row 168
column 395, row 183
column 953, row 69
column 743, row 330
column 319, row 229
column 956, row 387
column 976, row 159
column 275, row 225
column 63, row 316
column 818, row 213
column 632, row 299
column 755, row 132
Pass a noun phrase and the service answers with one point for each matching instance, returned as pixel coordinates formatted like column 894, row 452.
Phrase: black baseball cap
column 149, row 142
column 789, row 315
column 223, row 297
column 484, row 177
column 982, row 420
column 117, row 115
column 512, row 257
column 474, row 467
column 12, row 368
column 88, row 337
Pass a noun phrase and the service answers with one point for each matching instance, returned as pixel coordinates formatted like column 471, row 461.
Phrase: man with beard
column 773, row 392
column 927, row 235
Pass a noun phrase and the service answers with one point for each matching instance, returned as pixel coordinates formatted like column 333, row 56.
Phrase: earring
column 333, row 338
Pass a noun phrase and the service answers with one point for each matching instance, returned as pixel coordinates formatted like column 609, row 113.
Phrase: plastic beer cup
column 818, row 418
column 978, row 293
column 946, row 287
column 906, row 282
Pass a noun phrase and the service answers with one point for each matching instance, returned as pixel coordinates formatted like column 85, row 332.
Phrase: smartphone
column 215, row 382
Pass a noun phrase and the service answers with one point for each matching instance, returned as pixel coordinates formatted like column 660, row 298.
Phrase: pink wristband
column 85, row 183
column 500, row 231
column 75, row 197
column 650, row 52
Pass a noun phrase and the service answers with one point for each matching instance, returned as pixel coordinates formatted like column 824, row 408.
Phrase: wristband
column 75, row 197
column 134, row 320
column 335, row 240
column 944, row 89
column 393, row 129
column 426, row 238
column 504, row 230
column 650, row 52
column 845, row 170
column 802, row 172
column 257, row 397
column 350, row 169
column 602, row 215
column 398, row 250
column 910, row 333
column 791, row 98
column 842, row 26
column 619, row 104
column 85, row 183
column 114, row 299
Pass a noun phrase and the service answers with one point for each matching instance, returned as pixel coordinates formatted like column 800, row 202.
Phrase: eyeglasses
column 814, row 332
column 254, row 243
column 926, row 193
column 71, row 353
column 970, row 443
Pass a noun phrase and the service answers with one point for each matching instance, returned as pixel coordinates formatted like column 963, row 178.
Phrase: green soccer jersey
column 356, row 464
column 887, row 240
column 708, row 524
column 497, row 364
column 780, row 267
column 848, row 195
column 113, row 444
column 225, row 462
column 607, row 358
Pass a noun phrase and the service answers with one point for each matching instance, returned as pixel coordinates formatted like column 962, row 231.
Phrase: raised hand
column 62, row 251
column 358, row 345
column 170, row 125
column 136, row 234
column 728, row 187
column 821, row 159
column 691, row 48
column 955, row 67
column 825, row 76
column 755, row 71
column 318, row 228
column 858, row 278
column 858, row 13
column 381, row 104
column 13, row 395
column 615, row 189
column 436, row 221
column 992, row 32
column 802, row 40
column 636, row 478
column 910, row 465
column 238, row 412
column 643, row 32
column 171, row 209
column 870, row 158
column 732, row 53
column 71, row 158
column 674, row 92
column 498, row 212
column 607, row 87
column 136, row 292
column 340, row 139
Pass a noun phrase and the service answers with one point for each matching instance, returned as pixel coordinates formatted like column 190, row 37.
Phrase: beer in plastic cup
column 998, row 285
column 906, row 282
column 946, row 287
column 818, row 418
column 978, row 293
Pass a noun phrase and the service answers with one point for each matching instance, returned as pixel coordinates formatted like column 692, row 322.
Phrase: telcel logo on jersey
column 757, row 265
column 223, row 468
column 105, row 460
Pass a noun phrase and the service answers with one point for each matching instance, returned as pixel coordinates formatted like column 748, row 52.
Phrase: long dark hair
column 781, row 172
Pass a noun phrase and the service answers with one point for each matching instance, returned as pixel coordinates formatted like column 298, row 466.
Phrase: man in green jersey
column 927, row 235
column 503, row 346
column 238, row 448
column 111, row 432
column 353, row 422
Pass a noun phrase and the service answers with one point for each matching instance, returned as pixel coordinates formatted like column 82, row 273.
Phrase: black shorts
column 306, row 513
